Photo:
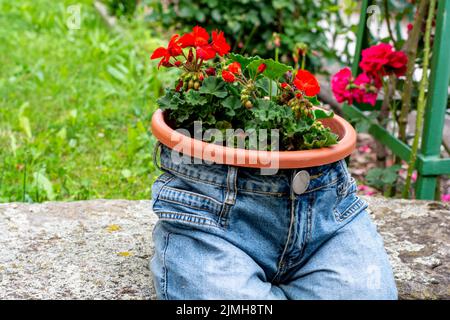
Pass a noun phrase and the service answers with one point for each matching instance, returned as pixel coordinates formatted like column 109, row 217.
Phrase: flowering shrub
column 226, row 90
column 377, row 62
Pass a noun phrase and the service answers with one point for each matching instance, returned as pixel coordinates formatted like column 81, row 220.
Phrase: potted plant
column 248, row 93
column 229, row 231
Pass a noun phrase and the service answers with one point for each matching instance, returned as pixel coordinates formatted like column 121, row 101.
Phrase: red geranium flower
column 235, row 67
column 206, row 52
column 228, row 76
column 219, row 43
column 307, row 83
column 197, row 38
column 173, row 50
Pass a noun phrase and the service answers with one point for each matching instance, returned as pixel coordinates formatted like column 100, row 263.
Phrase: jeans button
column 301, row 182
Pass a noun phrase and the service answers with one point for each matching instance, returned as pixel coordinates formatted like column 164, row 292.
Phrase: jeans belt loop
column 230, row 197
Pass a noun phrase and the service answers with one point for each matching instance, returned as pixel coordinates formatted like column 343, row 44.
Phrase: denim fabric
column 231, row 233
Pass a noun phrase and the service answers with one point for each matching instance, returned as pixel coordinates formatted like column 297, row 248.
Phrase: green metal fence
column 429, row 163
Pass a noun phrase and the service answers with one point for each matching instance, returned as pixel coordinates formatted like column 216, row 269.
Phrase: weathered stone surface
column 100, row 249
column 417, row 239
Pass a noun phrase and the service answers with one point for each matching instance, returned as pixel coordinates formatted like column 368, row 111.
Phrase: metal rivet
column 301, row 182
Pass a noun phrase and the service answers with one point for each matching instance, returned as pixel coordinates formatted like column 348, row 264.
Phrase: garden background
column 77, row 92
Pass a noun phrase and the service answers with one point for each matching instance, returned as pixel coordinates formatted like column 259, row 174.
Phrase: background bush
column 249, row 25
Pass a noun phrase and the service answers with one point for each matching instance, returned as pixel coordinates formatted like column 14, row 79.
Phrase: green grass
column 75, row 105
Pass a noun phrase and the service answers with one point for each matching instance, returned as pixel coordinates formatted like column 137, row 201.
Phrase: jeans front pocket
column 177, row 202
column 347, row 203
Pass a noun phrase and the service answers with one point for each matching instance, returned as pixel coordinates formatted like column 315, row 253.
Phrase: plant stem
column 247, row 41
column 277, row 52
column 411, row 51
column 303, row 61
column 421, row 100
column 24, row 184
column 388, row 22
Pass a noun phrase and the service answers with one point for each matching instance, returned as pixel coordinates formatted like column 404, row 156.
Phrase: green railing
column 429, row 163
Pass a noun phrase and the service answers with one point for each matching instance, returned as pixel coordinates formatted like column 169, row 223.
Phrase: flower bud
column 179, row 86
column 190, row 56
column 211, row 71
column 262, row 67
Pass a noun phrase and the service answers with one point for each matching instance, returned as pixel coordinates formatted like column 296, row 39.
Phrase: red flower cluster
column 173, row 50
column 234, row 69
column 377, row 61
column 199, row 39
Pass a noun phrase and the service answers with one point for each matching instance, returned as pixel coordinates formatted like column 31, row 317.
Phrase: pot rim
column 255, row 158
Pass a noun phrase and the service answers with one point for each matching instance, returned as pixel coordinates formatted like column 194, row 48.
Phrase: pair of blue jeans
column 231, row 233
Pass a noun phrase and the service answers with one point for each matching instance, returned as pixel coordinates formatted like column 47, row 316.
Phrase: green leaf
column 42, row 182
column 214, row 86
column 314, row 100
column 194, row 98
column 380, row 177
column 244, row 61
column 25, row 125
column 231, row 104
column 171, row 100
column 322, row 114
column 274, row 70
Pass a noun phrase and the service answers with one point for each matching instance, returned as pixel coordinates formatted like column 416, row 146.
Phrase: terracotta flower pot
column 255, row 158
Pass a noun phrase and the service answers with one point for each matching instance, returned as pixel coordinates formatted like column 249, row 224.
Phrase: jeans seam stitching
column 166, row 245
column 352, row 208
column 206, row 221
column 193, row 194
column 211, row 210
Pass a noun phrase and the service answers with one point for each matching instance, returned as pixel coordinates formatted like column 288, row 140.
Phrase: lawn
column 75, row 105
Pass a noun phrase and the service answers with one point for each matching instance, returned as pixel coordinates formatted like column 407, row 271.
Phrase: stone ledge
column 100, row 249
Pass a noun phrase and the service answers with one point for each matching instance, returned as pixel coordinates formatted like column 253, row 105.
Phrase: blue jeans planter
column 231, row 233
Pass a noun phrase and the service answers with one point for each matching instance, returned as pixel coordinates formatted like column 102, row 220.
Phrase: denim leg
column 352, row 264
column 199, row 264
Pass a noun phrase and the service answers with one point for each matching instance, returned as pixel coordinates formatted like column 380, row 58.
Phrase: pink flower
column 375, row 58
column 414, row 176
column 340, row 85
column 368, row 89
column 363, row 187
column 382, row 59
column 445, row 197
column 366, row 190
column 363, row 89
column 365, row 149
column 397, row 63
